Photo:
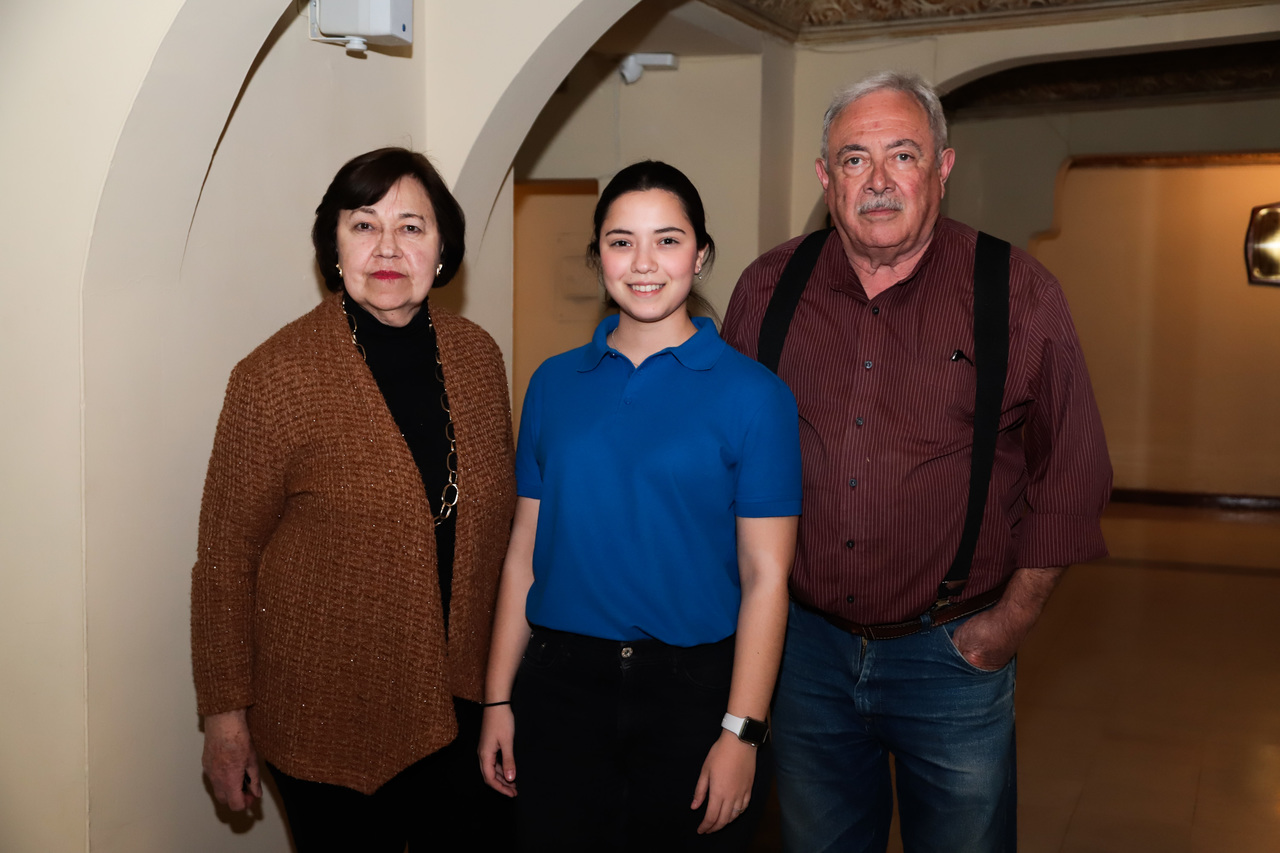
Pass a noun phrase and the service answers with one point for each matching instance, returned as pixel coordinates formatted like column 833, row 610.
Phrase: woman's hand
column 229, row 757
column 497, row 750
column 765, row 549
column 725, row 782
column 510, row 636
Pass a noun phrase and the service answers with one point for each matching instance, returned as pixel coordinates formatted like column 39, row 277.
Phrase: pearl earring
column 339, row 266
column 438, row 268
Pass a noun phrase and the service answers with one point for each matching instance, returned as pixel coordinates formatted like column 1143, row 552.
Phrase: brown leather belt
column 893, row 630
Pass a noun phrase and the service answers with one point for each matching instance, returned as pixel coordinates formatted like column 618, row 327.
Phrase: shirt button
column 848, row 599
column 867, row 365
column 853, row 483
column 858, row 421
column 627, row 651
column 848, row 543
column 875, row 309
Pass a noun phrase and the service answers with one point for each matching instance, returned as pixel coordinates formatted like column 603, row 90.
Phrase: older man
column 911, row 598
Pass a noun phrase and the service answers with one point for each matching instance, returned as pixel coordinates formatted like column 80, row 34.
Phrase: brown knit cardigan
column 315, row 599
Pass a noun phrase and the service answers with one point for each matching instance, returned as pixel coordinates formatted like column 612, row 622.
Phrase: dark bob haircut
column 653, row 175
column 366, row 179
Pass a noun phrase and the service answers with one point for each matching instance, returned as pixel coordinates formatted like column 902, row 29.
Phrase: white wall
column 132, row 284
column 1184, row 354
column 777, row 142
column 62, row 104
column 492, row 66
column 704, row 118
column 159, row 342
column 1007, row 169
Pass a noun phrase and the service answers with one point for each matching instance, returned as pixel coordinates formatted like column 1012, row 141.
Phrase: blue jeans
column 844, row 704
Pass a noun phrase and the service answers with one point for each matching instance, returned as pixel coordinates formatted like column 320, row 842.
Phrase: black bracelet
column 495, row 704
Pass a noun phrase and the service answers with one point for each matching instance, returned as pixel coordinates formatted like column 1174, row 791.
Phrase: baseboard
column 1200, row 500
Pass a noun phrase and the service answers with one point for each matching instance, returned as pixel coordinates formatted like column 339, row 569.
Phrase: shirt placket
column 633, row 387
column 863, row 434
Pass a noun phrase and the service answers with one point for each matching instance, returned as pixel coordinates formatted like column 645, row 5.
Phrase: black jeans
column 610, row 740
column 430, row 805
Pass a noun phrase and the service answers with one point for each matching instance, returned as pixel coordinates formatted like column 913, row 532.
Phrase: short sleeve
column 769, row 483
column 1068, row 468
column 528, row 469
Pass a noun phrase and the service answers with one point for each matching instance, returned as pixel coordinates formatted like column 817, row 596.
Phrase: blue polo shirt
column 641, row 472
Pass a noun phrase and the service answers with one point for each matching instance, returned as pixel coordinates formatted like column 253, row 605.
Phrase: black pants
column 431, row 805
column 610, row 740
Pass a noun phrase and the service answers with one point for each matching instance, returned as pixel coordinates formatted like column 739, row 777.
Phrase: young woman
column 643, row 599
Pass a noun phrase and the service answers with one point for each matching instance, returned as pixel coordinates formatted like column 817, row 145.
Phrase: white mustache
column 880, row 202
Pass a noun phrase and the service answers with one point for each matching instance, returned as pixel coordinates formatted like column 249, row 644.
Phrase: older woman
column 355, row 516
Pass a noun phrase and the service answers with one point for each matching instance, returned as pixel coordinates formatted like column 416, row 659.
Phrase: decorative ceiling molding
column 1247, row 70
column 1176, row 161
column 826, row 21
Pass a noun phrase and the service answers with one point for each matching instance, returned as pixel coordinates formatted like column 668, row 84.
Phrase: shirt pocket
column 943, row 401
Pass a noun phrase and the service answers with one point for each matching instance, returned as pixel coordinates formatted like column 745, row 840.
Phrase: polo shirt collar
column 700, row 352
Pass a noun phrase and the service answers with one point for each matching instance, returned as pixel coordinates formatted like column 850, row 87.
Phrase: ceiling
column 1214, row 72
column 816, row 21
column 690, row 28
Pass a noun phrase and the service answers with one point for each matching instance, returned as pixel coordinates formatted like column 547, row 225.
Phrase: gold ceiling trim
column 1174, row 161
column 1225, row 71
column 812, row 22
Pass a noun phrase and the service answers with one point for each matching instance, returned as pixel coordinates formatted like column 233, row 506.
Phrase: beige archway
column 154, row 357
column 156, row 349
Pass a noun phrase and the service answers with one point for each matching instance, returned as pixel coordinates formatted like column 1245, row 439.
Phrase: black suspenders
column 991, row 359
column 786, row 296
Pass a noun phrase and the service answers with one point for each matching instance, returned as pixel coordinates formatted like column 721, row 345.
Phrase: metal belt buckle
column 947, row 590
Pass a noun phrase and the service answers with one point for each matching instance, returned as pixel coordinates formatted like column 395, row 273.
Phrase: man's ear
column 820, row 166
column 944, row 167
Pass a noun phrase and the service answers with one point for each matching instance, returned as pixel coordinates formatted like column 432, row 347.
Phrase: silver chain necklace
column 449, row 495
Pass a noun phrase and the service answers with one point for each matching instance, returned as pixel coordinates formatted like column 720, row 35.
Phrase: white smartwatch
column 748, row 730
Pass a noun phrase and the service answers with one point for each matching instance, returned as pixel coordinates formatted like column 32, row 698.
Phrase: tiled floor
column 1149, row 694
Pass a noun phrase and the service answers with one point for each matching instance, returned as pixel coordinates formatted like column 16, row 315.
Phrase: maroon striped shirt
column 886, row 428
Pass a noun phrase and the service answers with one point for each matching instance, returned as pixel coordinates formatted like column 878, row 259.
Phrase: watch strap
column 747, row 730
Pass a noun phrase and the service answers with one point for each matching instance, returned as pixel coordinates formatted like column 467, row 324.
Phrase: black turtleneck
column 403, row 362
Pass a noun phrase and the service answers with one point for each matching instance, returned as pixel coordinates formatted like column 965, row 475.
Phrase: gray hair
column 893, row 81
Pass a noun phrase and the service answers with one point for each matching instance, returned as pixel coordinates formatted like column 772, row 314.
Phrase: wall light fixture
column 1262, row 245
column 360, row 23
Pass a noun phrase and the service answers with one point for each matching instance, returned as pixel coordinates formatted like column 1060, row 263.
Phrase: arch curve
column 157, row 343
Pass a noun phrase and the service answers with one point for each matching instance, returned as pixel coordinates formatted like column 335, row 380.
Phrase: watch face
column 754, row 731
